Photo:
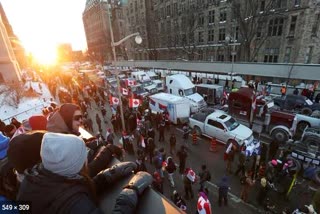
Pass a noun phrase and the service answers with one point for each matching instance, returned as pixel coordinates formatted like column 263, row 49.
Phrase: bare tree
column 252, row 17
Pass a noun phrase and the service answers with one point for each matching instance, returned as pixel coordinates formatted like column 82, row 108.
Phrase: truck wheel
column 198, row 130
column 302, row 125
column 306, row 111
column 280, row 135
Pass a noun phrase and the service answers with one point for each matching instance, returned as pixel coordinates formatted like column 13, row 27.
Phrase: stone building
column 279, row 31
column 9, row 67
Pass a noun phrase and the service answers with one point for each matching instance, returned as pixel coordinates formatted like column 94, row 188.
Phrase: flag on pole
column 225, row 95
column 134, row 103
column 114, row 100
column 124, row 91
column 131, row 82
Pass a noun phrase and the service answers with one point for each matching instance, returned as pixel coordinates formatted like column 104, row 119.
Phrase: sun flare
column 44, row 56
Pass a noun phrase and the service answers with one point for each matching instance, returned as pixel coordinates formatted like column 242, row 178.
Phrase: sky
column 42, row 24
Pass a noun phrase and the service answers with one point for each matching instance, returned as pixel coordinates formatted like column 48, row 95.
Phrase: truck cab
column 181, row 85
column 146, row 82
column 211, row 93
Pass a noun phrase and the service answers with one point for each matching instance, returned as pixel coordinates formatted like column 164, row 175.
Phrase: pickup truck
column 222, row 126
column 298, row 103
column 301, row 122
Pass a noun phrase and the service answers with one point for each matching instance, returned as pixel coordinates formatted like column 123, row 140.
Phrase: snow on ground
column 28, row 106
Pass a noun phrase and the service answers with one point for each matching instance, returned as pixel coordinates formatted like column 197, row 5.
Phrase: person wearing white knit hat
column 63, row 154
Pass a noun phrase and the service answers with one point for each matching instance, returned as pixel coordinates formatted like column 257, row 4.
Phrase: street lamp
column 138, row 40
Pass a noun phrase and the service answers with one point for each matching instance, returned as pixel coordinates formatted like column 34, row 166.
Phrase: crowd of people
column 41, row 165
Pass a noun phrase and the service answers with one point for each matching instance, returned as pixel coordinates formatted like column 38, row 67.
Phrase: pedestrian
column 157, row 182
column 98, row 121
column 205, row 176
column 170, row 168
column 283, row 90
column 263, row 191
column 157, row 162
column 150, row 148
column 194, row 137
column 186, row 131
column 182, row 155
column 241, row 163
column 273, row 149
column 188, row 179
column 109, row 136
column 230, row 157
column 173, row 141
column 224, row 187
column 296, row 91
column 140, row 165
column 246, row 183
column 151, row 133
column 203, row 205
column 114, row 123
column 161, row 131
column 178, row 201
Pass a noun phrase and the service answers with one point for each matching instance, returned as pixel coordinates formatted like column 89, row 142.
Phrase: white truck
column 156, row 80
column 181, row 85
column 177, row 107
column 145, row 81
column 222, row 126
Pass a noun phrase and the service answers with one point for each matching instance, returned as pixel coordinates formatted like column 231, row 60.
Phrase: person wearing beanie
column 67, row 119
column 61, row 184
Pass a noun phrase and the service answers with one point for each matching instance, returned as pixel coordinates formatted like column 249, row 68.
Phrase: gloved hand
column 110, row 175
column 140, row 182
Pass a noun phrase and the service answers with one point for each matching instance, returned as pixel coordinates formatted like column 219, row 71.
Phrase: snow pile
column 31, row 103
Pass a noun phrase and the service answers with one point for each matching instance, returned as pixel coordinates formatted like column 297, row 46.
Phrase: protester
column 263, row 191
column 161, row 131
column 246, row 186
column 203, row 206
column 204, row 176
column 61, row 181
column 182, row 155
column 178, row 201
column 157, row 162
column 223, row 191
column 170, row 168
column 157, row 182
column 173, row 142
column 109, row 136
column 188, row 179
column 230, row 157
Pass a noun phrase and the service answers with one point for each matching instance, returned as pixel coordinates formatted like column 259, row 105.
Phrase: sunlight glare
column 43, row 55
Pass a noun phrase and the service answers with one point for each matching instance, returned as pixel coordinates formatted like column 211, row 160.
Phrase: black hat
column 24, row 150
column 66, row 111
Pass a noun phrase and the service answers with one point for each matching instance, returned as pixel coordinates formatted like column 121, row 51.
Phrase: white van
column 177, row 107
column 181, row 85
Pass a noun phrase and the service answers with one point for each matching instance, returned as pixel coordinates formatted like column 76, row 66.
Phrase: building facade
column 279, row 31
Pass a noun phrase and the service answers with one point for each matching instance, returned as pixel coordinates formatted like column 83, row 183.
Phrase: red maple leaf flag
column 134, row 103
column 131, row 82
column 114, row 100
column 124, row 91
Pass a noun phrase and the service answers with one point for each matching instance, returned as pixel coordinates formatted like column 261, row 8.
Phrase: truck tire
column 306, row 111
column 280, row 135
column 198, row 130
column 302, row 125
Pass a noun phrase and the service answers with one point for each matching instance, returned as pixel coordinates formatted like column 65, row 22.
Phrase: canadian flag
column 131, row 82
column 124, row 91
column 225, row 95
column 134, row 103
column 114, row 100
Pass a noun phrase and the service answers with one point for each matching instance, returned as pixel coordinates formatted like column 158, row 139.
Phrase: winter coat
column 51, row 193
column 171, row 167
column 223, row 186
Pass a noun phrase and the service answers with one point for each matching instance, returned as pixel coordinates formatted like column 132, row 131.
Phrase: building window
column 222, row 34
column 297, row 3
column 201, row 20
column 271, row 55
column 308, row 57
column 275, row 27
column 175, row 8
column 191, row 38
column 220, row 55
column 211, row 17
column 168, row 10
column 223, row 14
column 315, row 26
column 259, row 30
column 262, row 5
column 210, row 35
column 200, row 37
column 287, row 55
column 292, row 28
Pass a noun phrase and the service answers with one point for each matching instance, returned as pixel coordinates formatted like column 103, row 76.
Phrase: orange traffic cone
column 213, row 146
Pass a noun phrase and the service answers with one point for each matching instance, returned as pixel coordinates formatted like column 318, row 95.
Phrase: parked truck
column 258, row 110
column 181, row 85
column 177, row 107
column 211, row 93
column 222, row 126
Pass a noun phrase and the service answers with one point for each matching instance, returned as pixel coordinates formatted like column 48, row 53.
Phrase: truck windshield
column 231, row 124
column 146, row 83
column 189, row 91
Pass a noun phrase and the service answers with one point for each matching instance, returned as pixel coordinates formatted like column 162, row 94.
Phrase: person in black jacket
column 182, row 155
column 61, row 184
column 223, row 191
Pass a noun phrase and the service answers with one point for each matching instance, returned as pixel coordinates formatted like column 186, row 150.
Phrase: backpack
column 8, row 180
column 243, row 180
